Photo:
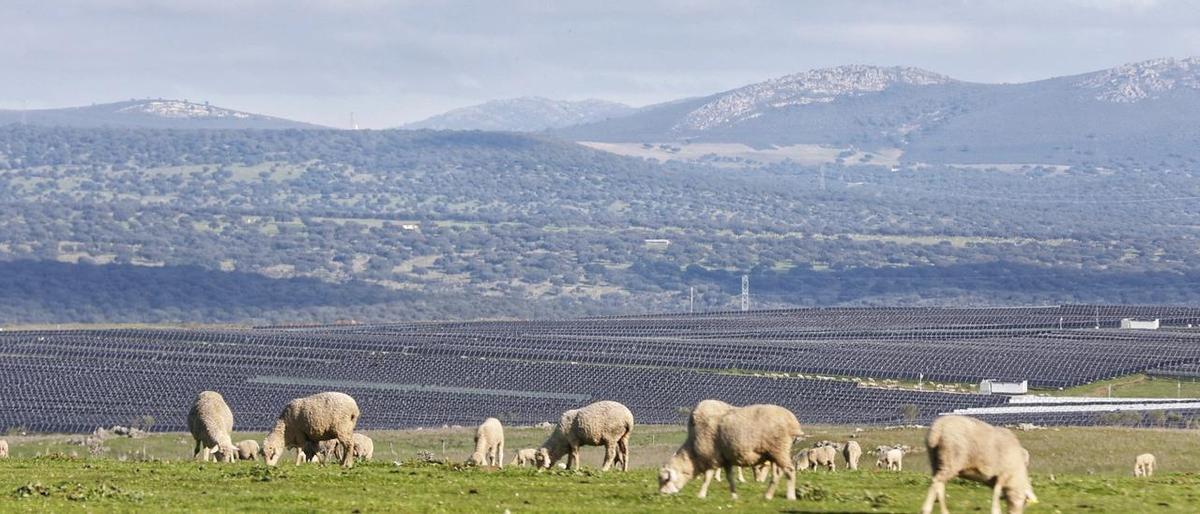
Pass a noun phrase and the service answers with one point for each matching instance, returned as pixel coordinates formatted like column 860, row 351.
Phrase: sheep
column 975, row 450
column 822, row 455
column 248, row 450
column 852, row 452
column 890, row 458
column 320, row 417
column 364, row 447
column 210, row 421
column 746, row 436
column 605, row 423
column 1144, row 465
column 331, row 450
column 525, row 456
column 3, row 449
column 489, row 444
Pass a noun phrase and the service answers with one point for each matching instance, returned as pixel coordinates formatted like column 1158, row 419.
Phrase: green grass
column 1074, row 470
column 1138, row 386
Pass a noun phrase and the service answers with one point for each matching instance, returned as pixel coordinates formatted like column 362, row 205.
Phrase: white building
column 998, row 387
column 1138, row 324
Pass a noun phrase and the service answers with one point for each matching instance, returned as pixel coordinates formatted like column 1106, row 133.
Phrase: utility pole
column 745, row 292
column 822, row 178
column 691, row 299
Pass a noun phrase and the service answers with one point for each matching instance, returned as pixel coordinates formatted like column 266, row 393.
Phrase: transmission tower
column 745, row 292
column 692, row 299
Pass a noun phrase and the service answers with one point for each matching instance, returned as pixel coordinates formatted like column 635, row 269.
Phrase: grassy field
column 1075, row 470
column 1138, row 386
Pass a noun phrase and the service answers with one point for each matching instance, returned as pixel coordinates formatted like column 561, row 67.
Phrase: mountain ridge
column 151, row 113
column 523, row 114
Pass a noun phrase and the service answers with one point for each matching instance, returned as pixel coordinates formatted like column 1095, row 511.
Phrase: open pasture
column 1074, row 470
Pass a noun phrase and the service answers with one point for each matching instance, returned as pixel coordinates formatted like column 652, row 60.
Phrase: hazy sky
column 396, row 61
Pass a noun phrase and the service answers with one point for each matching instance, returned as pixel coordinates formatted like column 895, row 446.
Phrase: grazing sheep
column 1144, row 465
column 890, row 458
column 852, row 452
column 364, row 447
column 210, row 422
column 489, row 444
column 3, row 449
column 746, row 436
column 968, row 447
column 819, row 457
column 309, row 420
column 606, row 423
column 526, row 456
column 248, row 450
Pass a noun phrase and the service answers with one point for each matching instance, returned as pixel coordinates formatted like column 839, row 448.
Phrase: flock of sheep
column 720, row 437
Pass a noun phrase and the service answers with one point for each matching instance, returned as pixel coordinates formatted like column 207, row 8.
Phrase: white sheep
column 3, row 449
column 891, row 459
column 364, row 447
column 210, row 421
column 822, row 456
column 489, row 444
column 852, row 452
column 746, row 436
column 526, row 456
column 975, row 450
column 248, row 450
column 309, row 420
column 1143, row 466
column 605, row 423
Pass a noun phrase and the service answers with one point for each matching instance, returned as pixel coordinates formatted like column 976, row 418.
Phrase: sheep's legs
column 741, row 476
column 623, row 451
column 500, row 455
column 937, row 492
column 790, row 471
column 732, row 483
column 771, row 488
column 708, row 476
column 997, row 491
column 610, row 455
column 347, row 443
column 573, row 458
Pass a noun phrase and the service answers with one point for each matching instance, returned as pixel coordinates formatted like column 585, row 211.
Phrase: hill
column 525, row 114
column 1140, row 111
column 150, row 113
column 136, row 225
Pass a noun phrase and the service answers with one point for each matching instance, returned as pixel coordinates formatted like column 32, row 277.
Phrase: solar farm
column 843, row 366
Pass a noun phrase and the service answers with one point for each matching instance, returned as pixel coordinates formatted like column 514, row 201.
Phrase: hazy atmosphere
column 396, row 62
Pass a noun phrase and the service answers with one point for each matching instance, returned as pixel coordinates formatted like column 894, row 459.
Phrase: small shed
column 1139, row 324
column 998, row 387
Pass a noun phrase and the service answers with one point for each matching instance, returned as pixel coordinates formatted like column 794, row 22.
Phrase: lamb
column 489, row 444
column 304, row 421
column 973, row 449
column 890, row 458
column 210, row 421
column 1144, row 465
column 606, row 423
column 526, row 456
column 852, row 452
column 3, row 449
column 746, row 436
column 248, row 450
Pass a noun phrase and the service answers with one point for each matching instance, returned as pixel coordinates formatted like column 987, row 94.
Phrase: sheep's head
column 1018, row 497
column 671, row 481
column 541, row 458
column 272, row 449
column 224, row 452
column 477, row 459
